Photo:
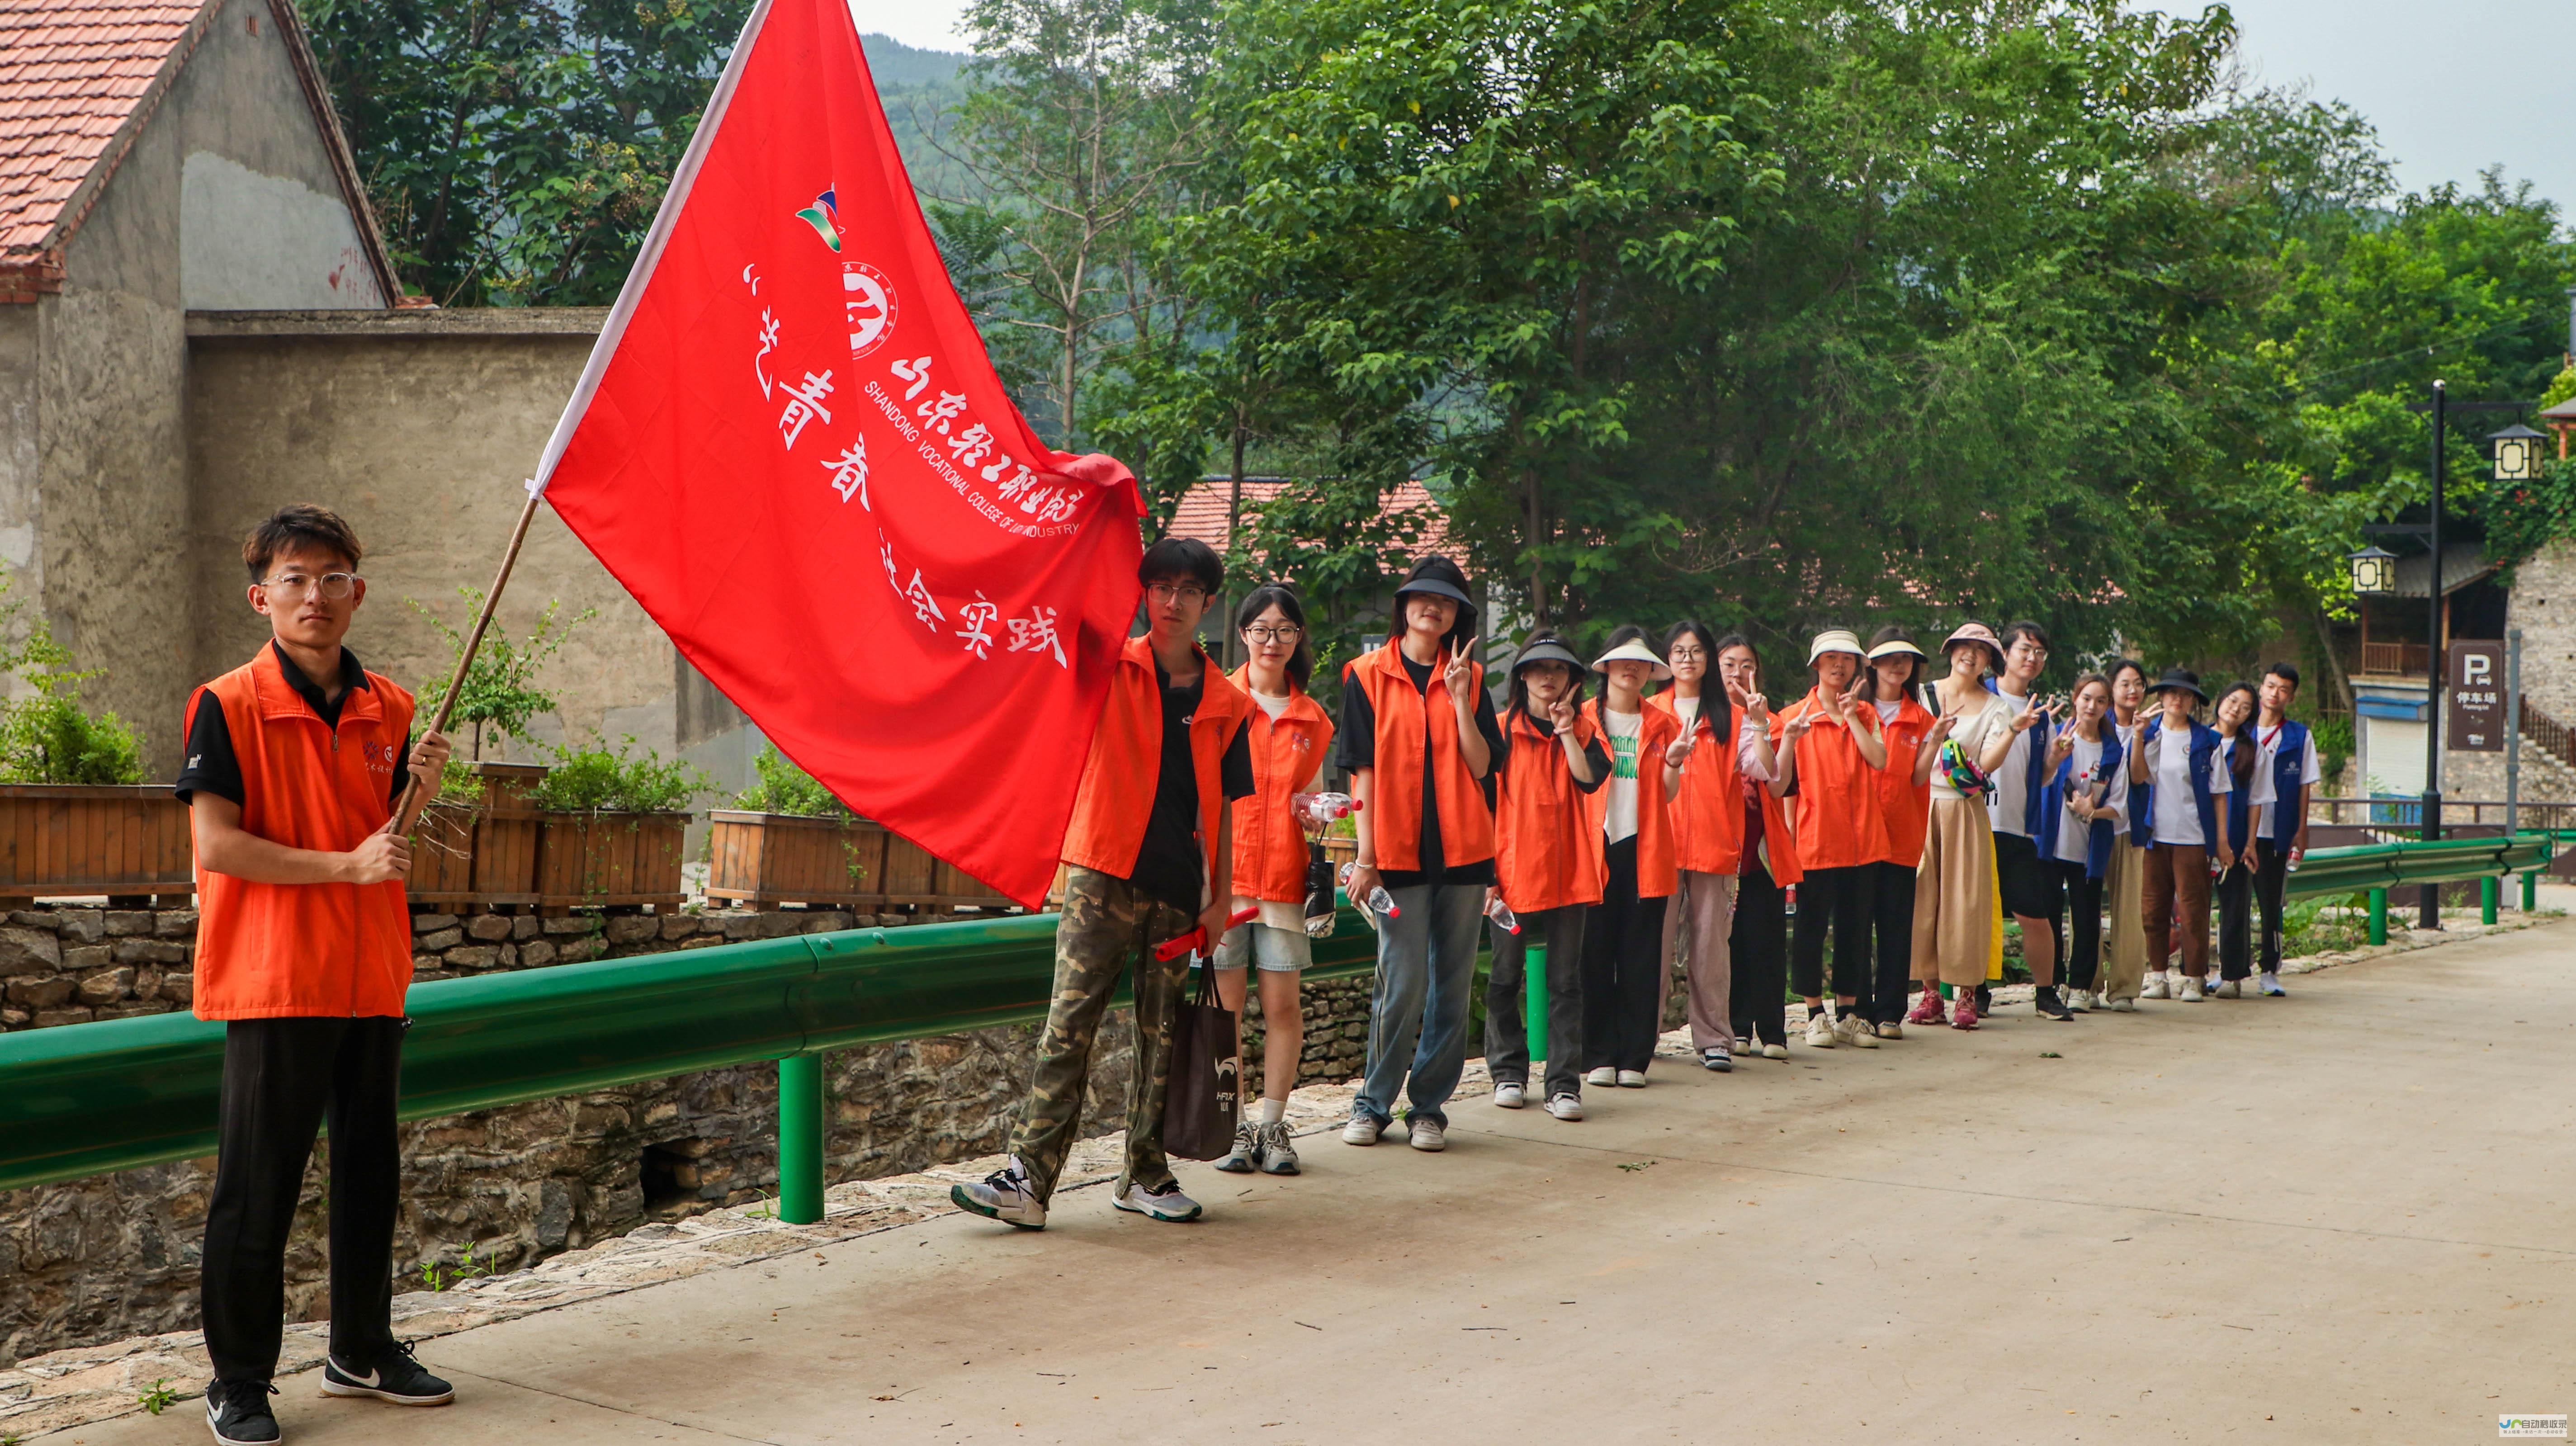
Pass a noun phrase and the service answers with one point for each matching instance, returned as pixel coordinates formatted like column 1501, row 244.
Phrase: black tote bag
column 1203, row 1098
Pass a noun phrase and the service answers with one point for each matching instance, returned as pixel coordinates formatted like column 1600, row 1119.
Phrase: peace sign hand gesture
column 1460, row 674
column 1680, row 750
column 1561, row 714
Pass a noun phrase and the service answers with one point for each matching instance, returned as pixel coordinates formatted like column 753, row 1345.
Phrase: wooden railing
column 2405, row 660
column 2553, row 737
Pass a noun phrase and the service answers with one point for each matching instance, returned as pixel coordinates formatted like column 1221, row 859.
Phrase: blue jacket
column 2142, row 796
column 2240, row 807
column 2100, row 836
column 2288, row 759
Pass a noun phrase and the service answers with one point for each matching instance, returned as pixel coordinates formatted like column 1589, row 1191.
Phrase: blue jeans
column 1426, row 971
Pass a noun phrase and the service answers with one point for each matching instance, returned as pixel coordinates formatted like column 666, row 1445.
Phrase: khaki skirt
column 1954, row 894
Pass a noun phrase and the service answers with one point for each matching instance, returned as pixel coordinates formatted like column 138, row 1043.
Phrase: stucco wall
column 2543, row 605
column 419, row 427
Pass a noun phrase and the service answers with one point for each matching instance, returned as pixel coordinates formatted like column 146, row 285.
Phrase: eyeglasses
column 1284, row 633
column 335, row 586
column 1184, row 592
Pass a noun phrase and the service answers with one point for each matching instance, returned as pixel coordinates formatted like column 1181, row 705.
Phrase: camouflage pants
column 1106, row 922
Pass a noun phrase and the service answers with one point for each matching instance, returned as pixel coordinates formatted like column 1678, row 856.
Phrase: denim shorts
column 1283, row 951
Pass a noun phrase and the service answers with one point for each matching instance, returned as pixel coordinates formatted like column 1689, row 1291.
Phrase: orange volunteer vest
column 1466, row 824
column 1547, row 849
column 276, row 951
column 1117, row 792
column 1903, row 804
column 1656, row 878
column 1287, row 755
column 1837, row 814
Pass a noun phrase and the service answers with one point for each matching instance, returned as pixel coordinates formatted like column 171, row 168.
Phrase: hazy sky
column 2453, row 85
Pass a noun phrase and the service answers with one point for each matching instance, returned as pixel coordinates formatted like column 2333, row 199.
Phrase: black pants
column 282, row 1078
column 2271, row 876
column 1507, row 1054
column 1840, row 900
column 1891, row 918
column 2235, row 891
column 1623, row 943
column 1757, row 989
column 2083, row 963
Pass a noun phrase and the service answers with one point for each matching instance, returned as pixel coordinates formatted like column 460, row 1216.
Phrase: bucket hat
column 1634, row 651
column 2179, row 680
column 1979, row 634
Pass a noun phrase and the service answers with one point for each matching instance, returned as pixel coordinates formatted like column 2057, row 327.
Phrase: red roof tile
column 1202, row 511
column 71, row 73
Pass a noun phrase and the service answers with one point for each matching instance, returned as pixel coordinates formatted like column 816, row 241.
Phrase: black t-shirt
column 1358, row 738
column 211, row 764
column 1168, row 863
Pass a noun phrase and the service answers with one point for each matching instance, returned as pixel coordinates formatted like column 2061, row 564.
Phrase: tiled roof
column 1202, row 512
column 72, row 73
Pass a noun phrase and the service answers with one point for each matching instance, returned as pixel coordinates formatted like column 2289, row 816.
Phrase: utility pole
column 2429, row 904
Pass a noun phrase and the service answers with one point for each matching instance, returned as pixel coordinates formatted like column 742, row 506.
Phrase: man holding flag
column 1149, row 826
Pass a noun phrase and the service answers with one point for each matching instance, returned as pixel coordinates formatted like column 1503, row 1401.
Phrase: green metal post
column 2530, row 891
column 800, row 1139
column 2379, row 916
column 2488, row 888
column 1534, row 999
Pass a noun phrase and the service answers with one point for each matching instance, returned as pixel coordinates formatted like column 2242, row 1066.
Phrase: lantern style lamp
column 2517, row 453
column 2374, row 571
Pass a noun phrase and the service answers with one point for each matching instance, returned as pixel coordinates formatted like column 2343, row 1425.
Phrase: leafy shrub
column 500, row 691
column 2334, row 746
column 598, row 779
column 786, row 788
column 47, row 737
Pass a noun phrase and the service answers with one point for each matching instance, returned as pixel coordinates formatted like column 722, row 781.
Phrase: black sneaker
column 2049, row 1005
column 395, row 1376
column 237, row 1412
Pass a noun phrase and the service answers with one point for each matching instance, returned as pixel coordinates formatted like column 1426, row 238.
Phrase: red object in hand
column 1195, row 941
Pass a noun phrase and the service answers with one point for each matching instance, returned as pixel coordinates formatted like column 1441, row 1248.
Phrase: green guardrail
column 119, row 1094
column 87, row 1099
column 2373, row 869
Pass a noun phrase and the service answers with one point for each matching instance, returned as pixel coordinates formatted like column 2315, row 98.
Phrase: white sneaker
column 1890, row 1029
column 1167, row 1204
column 2228, row 989
column 1565, row 1107
column 2123, row 1006
column 2156, row 986
column 2079, row 1000
column 1510, row 1096
column 1775, row 1051
column 2191, row 990
column 1004, row 1195
column 1855, row 1031
column 1820, row 1032
column 1605, row 1075
column 1429, row 1135
column 1632, row 1079
column 1364, row 1129
column 2271, row 986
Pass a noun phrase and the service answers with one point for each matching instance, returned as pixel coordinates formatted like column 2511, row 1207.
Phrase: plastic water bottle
column 1790, row 911
column 1501, row 914
column 1318, row 810
column 1379, row 901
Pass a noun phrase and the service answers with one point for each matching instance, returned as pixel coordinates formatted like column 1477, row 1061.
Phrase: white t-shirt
column 2267, row 743
column 2084, row 775
column 1620, row 820
column 2008, row 805
column 2177, row 818
column 1274, row 706
column 1970, row 734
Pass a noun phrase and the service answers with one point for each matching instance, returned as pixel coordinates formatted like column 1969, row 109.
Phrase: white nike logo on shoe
column 356, row 1378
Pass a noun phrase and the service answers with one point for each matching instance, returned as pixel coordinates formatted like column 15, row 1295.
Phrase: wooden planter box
column 62, row 838
column 779, row 858
column 766, row 859
column 484, row 855
column 609, row 858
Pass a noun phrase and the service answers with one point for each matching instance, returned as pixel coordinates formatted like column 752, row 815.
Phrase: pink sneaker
column 1963, row 1015
column 1927, row 1010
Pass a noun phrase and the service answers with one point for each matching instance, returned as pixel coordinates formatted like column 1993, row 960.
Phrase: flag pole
column 407, row 808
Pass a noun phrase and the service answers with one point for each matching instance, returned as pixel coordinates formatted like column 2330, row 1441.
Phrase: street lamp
column 2374, row 571
column 2517, row 453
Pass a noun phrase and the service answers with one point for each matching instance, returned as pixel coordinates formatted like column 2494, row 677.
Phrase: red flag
column 790, row 446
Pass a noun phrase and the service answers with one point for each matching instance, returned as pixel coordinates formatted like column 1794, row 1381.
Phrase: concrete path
column 2342, row 1216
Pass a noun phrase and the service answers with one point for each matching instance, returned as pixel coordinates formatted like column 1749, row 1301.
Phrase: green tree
column 500, row 691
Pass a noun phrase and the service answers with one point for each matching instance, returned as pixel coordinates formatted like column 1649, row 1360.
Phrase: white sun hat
column 1835, row 640
column 1634, row 651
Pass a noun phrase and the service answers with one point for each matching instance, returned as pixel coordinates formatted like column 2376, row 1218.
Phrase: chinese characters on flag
column 790, row 446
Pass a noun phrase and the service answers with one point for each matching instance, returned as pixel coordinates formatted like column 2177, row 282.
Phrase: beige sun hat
column 1892, row 647
column 1835, row 640
column 1980, row 634
column 1634, row 651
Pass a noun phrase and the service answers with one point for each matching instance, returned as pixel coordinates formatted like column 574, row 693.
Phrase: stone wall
column 116, row 1255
